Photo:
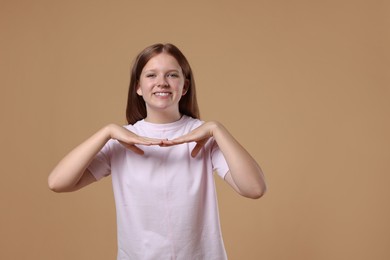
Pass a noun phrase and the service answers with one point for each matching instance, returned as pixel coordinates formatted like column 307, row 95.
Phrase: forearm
column 245, row 171
column 69, row 171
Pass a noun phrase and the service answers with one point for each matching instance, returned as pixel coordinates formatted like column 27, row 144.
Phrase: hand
column 200, row 135
column 129, row 140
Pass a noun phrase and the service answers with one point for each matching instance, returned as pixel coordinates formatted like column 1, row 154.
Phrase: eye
column 150, row 75
column 173, row 75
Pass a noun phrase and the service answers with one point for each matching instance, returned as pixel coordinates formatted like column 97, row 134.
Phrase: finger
column 153, row 141
column 136, row 150
column 167, row 142
column 197, row 149
column 133, row 148
column 181, row 140
column 146, row 141
column 176, row 141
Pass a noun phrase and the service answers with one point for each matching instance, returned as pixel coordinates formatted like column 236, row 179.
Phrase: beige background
column 304, row 85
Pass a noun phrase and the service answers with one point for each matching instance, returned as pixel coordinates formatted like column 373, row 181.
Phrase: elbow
column 53, row 186
column 256, row 195
column 256, row 192
column 257, row 187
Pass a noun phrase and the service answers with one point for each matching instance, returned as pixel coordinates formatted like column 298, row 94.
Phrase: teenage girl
column 162, row 165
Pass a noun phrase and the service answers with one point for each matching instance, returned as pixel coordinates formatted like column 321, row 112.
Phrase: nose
column 162, row 81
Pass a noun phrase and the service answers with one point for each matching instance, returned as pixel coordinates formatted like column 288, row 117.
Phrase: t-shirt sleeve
column 218, row 160
column 101, row 164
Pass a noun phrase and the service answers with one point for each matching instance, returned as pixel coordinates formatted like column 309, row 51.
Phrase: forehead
column 162, row 61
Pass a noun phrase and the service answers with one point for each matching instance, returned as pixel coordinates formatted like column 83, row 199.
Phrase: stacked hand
column 244, row 175
column 129, row 139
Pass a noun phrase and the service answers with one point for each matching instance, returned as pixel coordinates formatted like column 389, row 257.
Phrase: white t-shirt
column 165, row 200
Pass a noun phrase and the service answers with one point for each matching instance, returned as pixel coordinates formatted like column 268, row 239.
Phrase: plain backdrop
column 303, row 85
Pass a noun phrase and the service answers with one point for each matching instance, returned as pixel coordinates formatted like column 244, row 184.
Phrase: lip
column 162, row 93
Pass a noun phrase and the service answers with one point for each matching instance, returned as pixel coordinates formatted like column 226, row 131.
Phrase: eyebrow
column 154, row 70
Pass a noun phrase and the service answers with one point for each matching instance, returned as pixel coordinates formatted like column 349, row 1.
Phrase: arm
column 71, row 172
column 245, row 175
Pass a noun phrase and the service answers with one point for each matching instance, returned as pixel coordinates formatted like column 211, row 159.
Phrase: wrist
column 108, row 131
column 214, row 128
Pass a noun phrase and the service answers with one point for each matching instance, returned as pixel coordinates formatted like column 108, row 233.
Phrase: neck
column 162, row 117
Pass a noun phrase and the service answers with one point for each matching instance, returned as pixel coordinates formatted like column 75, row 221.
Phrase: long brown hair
column 136, row 108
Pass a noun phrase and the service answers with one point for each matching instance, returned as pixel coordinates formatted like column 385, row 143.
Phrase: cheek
column 179, row 85
column 142, row 87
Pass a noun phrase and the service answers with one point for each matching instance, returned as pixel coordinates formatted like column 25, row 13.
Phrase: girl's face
column 162, row 84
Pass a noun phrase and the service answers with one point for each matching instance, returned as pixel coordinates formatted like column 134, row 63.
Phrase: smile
column 162, row 94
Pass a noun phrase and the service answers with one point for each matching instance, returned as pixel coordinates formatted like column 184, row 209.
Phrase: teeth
column 161, row 94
